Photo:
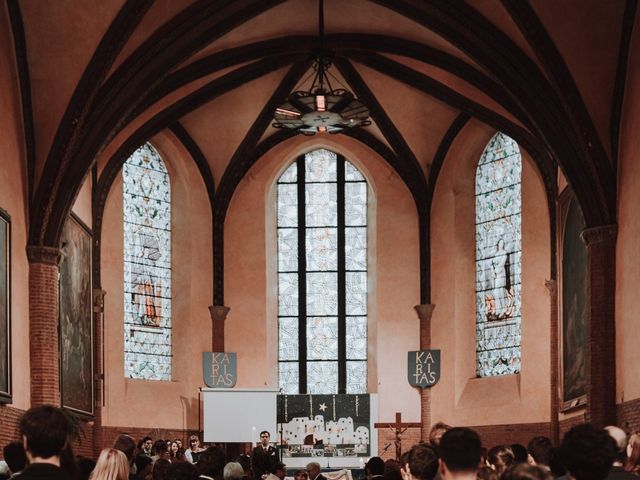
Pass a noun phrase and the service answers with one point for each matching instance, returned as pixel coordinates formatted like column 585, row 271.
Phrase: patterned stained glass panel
column 290, row 175
column 498, row 258
column 320, row 166
column 355, row 204
column 356, row 377
column 355, row 245
column 288, row 294
column 147, row 266
column 356, row 293
column 322, row 293
column 322, row 249
column 287, row 249
column 321, row 207
column 322, row 338
column 288, row 374
column 356, row 338
column 287, row 205
column 288, row 335
column 322, row 377
column 352, row 174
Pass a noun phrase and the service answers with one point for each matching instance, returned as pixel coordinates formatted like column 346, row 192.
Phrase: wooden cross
column 398, row 429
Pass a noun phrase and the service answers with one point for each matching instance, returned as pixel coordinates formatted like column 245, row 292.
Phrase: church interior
column 321, row 188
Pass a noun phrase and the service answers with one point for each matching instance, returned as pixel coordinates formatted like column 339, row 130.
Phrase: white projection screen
column 237, row 415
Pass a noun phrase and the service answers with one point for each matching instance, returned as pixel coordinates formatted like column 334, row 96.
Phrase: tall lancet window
column 498, row 253
column 322, row 276
column 147, row 266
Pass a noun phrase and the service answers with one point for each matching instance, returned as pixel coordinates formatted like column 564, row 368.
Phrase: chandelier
column 321, row 108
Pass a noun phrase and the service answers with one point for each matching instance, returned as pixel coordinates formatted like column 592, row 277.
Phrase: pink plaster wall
column 628, row 244
column 13, row 199
column 251, row 285
column 460, row 398
column 155, row 404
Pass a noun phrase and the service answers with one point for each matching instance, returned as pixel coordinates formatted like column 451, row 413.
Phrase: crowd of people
column 586, row 453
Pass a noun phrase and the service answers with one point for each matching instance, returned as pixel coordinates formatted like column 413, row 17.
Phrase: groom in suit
column 264, row 457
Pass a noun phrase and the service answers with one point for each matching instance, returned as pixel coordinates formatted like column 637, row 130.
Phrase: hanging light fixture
column 321, row 108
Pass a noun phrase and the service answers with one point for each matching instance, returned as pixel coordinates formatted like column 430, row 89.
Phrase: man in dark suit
column 264, row 457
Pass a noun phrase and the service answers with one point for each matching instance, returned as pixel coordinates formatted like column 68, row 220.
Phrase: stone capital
column 425, row 311
column 218, row 312
column 552, row 286
column 600, row 234
column 98, row 300
column 42, row 254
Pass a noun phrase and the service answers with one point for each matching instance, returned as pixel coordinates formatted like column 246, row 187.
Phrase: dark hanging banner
column 423, row 368
column 324, row 425
column 219, row 369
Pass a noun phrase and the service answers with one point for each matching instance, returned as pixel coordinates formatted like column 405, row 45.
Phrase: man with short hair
column 45, row 433
column 422, row 462
column 264, row 457
column 313, row 469
column 147, row 446
column 540, row 450
column 127, row 445
column 587, row 452
column 279, row 472
column 460, row 449
column 617, row 471
column 374, row 468
column 15, row 457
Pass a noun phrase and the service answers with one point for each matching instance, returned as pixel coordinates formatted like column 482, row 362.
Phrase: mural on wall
column 5, row 318
column 574, row 300
column 76, row 333
column 324, row 425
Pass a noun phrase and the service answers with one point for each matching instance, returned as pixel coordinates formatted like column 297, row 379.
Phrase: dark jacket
column 263, row 462
column 38, row 471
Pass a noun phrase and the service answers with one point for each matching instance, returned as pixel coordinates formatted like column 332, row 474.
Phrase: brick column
column 218, row 316
column 554, row 354
column 425, row 311
column 98, row 349
column 601, row 327
column 44, row 269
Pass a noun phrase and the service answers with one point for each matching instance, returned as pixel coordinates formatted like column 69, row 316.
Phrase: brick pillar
column 425, row 311
column 601, row 327
column 552, row 287
column 44, row 269
column 98, row 318
column 218, row 316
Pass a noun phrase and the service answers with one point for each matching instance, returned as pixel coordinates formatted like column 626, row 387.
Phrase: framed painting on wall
column 76, row 321
column 574, row 306
column 5, row 307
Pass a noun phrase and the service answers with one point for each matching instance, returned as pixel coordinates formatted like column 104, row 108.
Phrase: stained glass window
column 147, row 266
column 322, row 276
column 498, row 254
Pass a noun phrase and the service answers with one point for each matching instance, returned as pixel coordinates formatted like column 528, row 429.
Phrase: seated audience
column 500, row 458
column 587, row 452
column 422, row 462
column 524, row 471
column 459, row 451
column 112, row 464
column 233, row 471
column 45, row 431
column 15, row 457
column 617, row 471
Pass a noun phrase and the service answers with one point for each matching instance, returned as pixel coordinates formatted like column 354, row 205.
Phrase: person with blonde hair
column 112, row 464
